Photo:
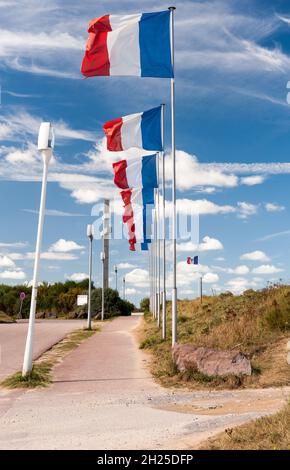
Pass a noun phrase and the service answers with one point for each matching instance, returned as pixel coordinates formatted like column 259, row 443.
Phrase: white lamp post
column 90, row 235
column 116, row 274
column 103, row 287
column 45, row 146
column 124, row 288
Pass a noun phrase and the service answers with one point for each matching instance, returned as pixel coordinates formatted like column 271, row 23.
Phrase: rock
column 40, row 315
column 210, row 361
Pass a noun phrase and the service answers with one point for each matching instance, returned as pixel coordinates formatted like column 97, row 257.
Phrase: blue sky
column 232, row 138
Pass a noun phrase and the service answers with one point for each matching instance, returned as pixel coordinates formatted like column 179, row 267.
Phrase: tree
column 145, row 305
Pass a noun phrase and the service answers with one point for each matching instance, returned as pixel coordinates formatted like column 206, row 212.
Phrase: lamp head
column 46, row 139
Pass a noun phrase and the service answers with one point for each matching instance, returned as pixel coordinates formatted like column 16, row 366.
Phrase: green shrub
column 145, row 304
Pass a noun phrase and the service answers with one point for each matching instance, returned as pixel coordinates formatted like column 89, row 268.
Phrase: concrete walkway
column 104, row 398
column 13, row 338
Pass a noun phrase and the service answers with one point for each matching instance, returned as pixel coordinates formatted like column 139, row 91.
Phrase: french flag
column 136, row 173
column 140, row 130
column 136, row 45
column 138, row 215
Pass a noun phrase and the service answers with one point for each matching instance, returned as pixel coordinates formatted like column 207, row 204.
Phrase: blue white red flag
column 140, row 130
column 136, row 173
column 136, row 45
column 138, row 215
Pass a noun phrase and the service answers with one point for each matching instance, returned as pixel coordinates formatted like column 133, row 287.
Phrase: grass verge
column 256, row 323
column 5, row 318
column 267, row 433
column 41, row 374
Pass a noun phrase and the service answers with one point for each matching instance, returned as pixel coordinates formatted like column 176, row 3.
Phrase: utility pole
column 103, row 286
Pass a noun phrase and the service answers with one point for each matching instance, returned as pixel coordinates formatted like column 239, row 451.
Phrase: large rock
column 210, row 361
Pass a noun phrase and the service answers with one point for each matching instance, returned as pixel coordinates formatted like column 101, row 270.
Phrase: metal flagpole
column 154, row 263
column 163, row 229
column 174, row 288
column 158, row 244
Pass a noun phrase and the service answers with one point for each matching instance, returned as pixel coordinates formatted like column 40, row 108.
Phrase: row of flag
column 133, row 45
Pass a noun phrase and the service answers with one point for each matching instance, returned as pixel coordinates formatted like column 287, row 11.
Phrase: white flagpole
column 163, row 229
column 174, row 288
column 158, row 242
column 153, row 265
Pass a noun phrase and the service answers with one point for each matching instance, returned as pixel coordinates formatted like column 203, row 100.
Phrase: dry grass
column 256, row 323
column 5, row 318
column 41, row 374
column 268, row 433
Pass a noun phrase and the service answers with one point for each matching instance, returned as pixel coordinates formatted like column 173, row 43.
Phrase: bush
column 145, row 305
column 114, row 305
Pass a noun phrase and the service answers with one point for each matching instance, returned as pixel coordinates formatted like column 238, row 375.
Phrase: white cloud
column 189, row 174
column 44, row 255
column 55, row 213
column 77, row 277
column 16, row 275
column 253, row 180
column 64, row 246
column 266, row 269
column 131, row 291
column 210, row 277
column 198, row 206
column 240, row 284
column 271, row 207
column 257, row 255
column 138, row 277
column 13, row 245
column 240, row 270
column 207, row 244
column 246, row 209
column 126, row 266
column 6, row 262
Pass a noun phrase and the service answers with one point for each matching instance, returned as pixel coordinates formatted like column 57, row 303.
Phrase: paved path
column 104, row 398
column 13, row 337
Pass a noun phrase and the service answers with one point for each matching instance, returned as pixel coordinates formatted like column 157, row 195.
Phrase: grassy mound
column 267, row 433
column 256, row 323
column 5, row 318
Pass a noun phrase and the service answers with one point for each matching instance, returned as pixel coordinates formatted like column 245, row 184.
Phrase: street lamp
column 45, row 146
column 90, row 235
column 124, row 288
column 116, row 273
column 103, row 257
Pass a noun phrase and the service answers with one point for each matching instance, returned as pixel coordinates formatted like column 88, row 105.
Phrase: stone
column 210, row 362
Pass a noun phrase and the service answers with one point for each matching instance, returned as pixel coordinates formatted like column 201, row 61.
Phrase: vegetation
column 5, row 318
column 41, row 376
column 60, row 299
column 256, row 323
column 144, row 305
column 267, row 433
column 114, row 305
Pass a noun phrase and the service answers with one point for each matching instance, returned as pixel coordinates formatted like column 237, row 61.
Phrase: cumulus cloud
column 126, row 265
column 272, row 207
column 77, row 277
column 256, row 255
column 138, row 277
column 13, row 275
column 246, row 209
column 266, row 269
column 6, row 262
column 64, row 246
column 253, row 180
column 210, row 277
column 207, row 244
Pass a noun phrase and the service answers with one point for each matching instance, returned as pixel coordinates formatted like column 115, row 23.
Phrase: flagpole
column 154, row 266
column 163, row 229
column 158, row 243
column 174, row 288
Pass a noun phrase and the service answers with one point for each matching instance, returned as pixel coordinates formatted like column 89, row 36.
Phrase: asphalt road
column 103, row 397
column 13, row 338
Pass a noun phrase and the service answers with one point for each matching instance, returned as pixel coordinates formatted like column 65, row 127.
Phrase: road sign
column 22, row 295
column 82, row 300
